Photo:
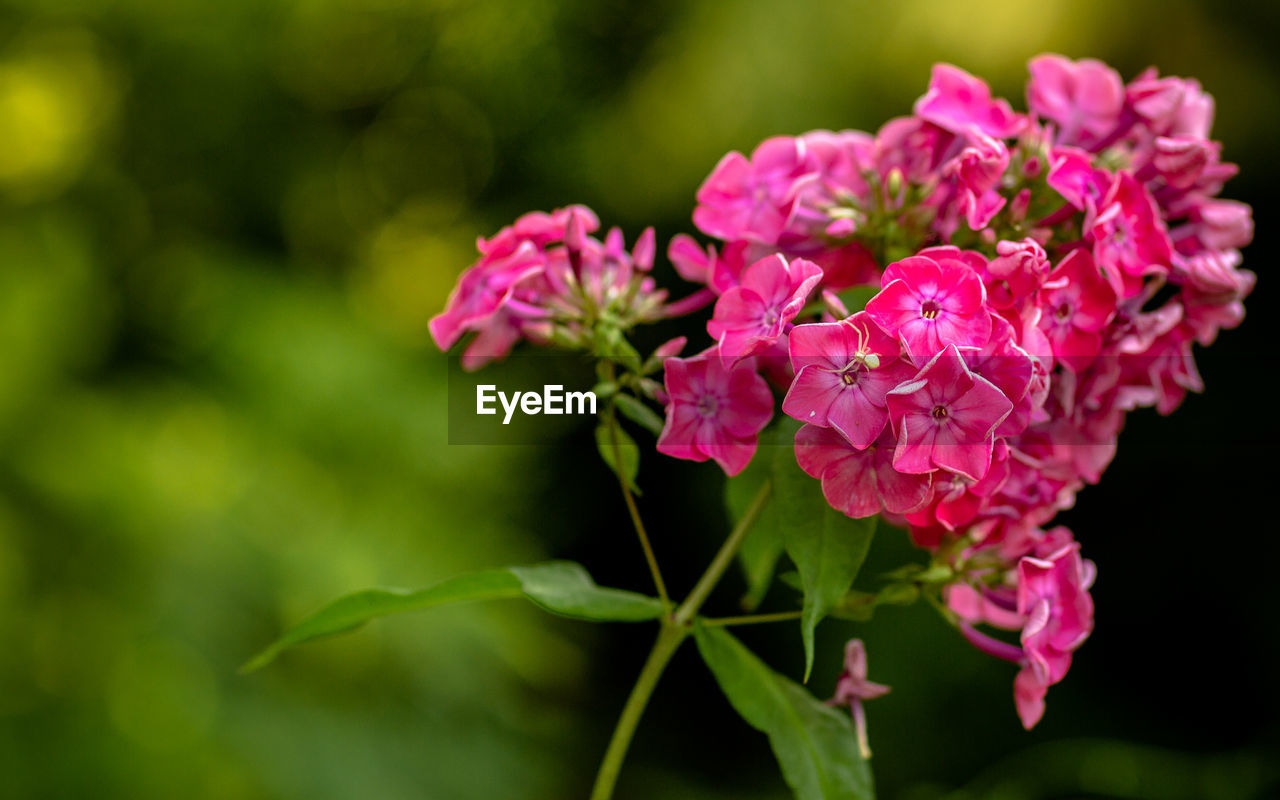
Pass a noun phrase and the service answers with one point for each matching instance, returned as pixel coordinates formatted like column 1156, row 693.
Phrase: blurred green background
column 223, row 228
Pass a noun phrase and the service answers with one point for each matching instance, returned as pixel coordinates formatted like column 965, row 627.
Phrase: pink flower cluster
column 546, row 279
column 1033, row 277
column 1048, row 273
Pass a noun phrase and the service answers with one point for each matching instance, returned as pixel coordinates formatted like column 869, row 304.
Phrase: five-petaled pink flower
column 750, row 317
column 1078, row 303
column 945, row 417
column 843, row 371
column 716, row 410
column 752, row 198
column 861, row 483
column 852, row 687
column 933, row 299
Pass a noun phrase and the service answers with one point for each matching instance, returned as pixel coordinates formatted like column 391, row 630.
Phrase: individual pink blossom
column 843, row 372
column 1171, row 106
column 1078, row 303
column 860, row 483
column 933, row 299
column 750, row 317
column 1130, row 240
column 959, row 102
column 752, row 199
column 852, row 688
column 1084, row 98
column 719, row 271
column 1222, row 224
column 946, row 417
column 1072, row 175
column 715, row 410
column 977, row 172
column 1017, row 272
column 1053, row 595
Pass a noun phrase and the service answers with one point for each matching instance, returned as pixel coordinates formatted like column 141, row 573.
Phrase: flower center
column 708, row 405
column 1063, row 311
column 939, row 412
column 850, row 375
column 770, row 317
column 929, row 309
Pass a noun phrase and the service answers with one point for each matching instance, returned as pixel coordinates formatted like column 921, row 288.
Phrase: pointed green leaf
column 561, row 587
column 639, row 413
column 815, row 745
column 624, row 459
column 827, row 547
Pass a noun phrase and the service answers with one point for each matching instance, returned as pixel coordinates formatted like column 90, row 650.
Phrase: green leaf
column 762, row 546
column 815, row 745
column 561, row 587
column 639, row 413
column 623, row 460
column 827, row 547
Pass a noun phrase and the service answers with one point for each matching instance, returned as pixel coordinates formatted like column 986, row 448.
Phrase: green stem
column 753, row 619
column 669, row 639
column 611, row 419
column 675, row 628
column 709, row 579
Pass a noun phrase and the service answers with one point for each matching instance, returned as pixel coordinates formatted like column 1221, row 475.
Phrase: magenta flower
column 1078, row 303
column 1072, row 175
column 977, row 171
column 715, row 410
column 750, row 317
column 933, row 299
column 852, row 687
column 843, row 372
column 1016, row 272
column 752, row 199
column 1053, row 595
column 946, row 418
column 1085, row 98
column 1129, row 238
column 959, row 102
column 860, row 483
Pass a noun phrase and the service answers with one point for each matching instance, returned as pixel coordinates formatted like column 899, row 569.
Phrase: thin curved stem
column 634, row 511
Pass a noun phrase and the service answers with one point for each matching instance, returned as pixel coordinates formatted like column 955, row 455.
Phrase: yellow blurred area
column 57, row 100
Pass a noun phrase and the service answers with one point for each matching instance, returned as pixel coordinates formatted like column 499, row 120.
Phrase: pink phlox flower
column 977, row 171
column 1129, row 238
column 718, row 271
column 482, row 290
column 1222, row 224
column 933, row 299
column 1078, row 303
column 958, row 101
column 852, row 688
column 750, row 317
column 715, row 410
column 946, row 417
column 860, row 483
column 1016, row 272
column 1171, row 106
column 1072, row 175
column 1084, row 98
column 1213, row 292
column 1011, row 370
column 957, row 499
column 752, row 199
column 843, row 372
column 1053, row 594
